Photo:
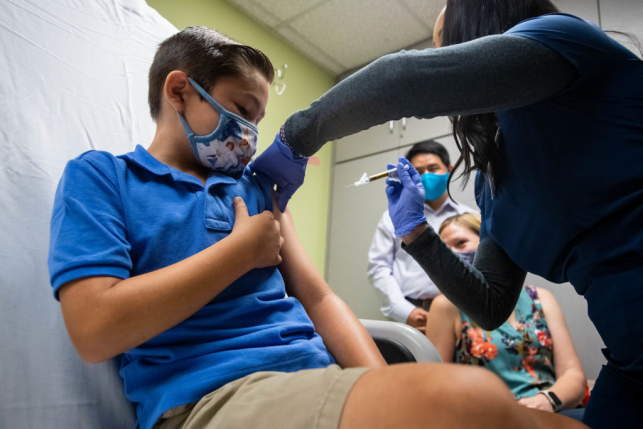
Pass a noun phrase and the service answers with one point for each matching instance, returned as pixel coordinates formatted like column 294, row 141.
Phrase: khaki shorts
column 309, row 399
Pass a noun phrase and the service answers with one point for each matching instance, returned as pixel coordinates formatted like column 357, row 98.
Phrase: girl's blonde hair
column 468, row 220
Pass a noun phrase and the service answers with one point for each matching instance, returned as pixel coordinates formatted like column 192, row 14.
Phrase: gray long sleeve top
column 485, row 75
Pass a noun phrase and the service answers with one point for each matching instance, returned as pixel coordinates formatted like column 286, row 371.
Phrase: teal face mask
column 434, row 185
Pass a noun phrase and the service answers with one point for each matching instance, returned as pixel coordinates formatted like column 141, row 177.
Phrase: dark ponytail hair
column 477, row 136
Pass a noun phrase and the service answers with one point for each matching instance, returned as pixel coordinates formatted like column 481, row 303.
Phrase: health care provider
column 548, row 109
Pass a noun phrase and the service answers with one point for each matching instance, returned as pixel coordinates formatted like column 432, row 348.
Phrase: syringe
column 366, row 179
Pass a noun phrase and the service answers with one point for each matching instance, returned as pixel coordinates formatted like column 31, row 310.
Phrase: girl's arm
column 485, row 75
column 443, row 326
column 106, row 316
column 570, row 379
column 343, row 334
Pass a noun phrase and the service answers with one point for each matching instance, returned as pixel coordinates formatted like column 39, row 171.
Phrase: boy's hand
column 261, row 234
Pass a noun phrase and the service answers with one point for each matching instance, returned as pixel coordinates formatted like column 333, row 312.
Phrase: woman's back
column 571, row 196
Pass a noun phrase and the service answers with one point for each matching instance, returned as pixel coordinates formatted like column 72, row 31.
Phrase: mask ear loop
column 189, row 133
column 222, row 111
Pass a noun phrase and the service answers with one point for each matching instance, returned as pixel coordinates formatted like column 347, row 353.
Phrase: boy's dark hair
column 432, row 147
column 205, row 55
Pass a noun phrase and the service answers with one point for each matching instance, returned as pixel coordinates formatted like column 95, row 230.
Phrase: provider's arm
column 484, row 75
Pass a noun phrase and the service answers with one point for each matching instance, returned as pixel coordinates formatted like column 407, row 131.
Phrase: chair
column 400, row 343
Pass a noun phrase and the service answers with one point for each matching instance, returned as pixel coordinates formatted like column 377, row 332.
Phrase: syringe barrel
column 384, row 174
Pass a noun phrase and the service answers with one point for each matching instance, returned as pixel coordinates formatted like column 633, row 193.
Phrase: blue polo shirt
column 129, row 215
column 571, row 197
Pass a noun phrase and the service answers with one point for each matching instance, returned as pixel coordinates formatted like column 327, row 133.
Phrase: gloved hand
column 405, row 199
column 281, row 168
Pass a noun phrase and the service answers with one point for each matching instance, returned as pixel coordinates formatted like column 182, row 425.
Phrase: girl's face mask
column 230, row 147
column 434, row 185
column 467, row 256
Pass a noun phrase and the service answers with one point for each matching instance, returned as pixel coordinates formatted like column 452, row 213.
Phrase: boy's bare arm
column 106, row 316
column 343, row 334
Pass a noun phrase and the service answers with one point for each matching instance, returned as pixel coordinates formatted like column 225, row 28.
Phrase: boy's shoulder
column 93, row 161
column 98, row 159
column 259, row 182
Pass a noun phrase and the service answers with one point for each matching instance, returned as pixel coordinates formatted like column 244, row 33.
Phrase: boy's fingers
column 240, row 208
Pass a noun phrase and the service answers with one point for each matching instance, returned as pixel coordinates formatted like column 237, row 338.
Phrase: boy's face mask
column 434, row 185
column 230, row 147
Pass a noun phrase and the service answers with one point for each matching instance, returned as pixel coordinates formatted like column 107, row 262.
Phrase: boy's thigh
column 305, row 399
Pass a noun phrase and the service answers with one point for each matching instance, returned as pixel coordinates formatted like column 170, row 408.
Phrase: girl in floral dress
column 521, row 351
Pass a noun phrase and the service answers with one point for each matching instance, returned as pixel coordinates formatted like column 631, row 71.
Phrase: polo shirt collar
column 145, row 160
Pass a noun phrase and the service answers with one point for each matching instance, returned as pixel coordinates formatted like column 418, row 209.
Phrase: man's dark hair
column 431, row 147
column 205, row 55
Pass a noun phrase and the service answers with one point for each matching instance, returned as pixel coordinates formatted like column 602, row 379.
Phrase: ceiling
column 342, row 35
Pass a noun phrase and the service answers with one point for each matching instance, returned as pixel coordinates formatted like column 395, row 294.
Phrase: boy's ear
column 177, row 88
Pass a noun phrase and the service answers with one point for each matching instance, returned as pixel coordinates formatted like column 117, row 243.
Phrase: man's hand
column 261, row 233
column 417, row 319
column 538, row 402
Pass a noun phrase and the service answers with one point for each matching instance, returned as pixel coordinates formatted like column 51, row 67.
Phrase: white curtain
column 73, row 77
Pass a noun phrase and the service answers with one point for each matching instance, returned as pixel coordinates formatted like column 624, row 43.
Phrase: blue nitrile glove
column 406, row 199
column 282, row 168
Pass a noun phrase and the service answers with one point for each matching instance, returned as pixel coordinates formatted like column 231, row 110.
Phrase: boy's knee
column 467, row 385
column 489, row 393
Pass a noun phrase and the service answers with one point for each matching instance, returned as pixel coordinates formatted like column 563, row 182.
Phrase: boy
column 157, row 257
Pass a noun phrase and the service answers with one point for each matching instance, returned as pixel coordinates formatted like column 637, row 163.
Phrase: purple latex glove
column 282, row 168
column 406, row 199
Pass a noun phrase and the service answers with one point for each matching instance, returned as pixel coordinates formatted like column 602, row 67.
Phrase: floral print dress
column 522, row 356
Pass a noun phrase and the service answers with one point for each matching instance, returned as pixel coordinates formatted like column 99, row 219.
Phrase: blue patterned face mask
column 230, row 147
column 467, row 256
column 434, row 185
